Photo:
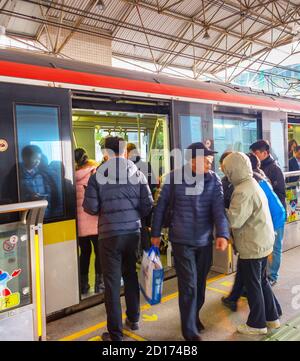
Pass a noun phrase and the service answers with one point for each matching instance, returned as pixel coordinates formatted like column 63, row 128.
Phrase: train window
column 277, row 142
column 233, row 133
column 190, row 130
column 40, row 166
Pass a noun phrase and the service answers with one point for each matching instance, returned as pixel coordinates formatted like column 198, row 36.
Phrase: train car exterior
column 37, row 96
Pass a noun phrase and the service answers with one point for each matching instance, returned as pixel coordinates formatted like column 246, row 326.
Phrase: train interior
column 294, row 130
column 148, row 132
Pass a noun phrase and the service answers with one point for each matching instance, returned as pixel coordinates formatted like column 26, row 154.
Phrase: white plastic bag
column 152, row 276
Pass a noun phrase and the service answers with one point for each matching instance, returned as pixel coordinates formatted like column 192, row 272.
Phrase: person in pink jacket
column 87, row 224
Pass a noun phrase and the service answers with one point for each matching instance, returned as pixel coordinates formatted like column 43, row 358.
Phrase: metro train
column 54, row 105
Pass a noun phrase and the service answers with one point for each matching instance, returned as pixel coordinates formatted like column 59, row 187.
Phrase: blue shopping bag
column 152, row 276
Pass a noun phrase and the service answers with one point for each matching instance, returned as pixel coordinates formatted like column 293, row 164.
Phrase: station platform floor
column 162, row 323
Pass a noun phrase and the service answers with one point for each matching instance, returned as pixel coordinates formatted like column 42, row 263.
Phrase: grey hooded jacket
column 249, row 214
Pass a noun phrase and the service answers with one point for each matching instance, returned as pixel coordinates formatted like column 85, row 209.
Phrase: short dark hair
column 297, row 149
column 261, row 145
column 30, row 150
column 224, row 155
column 116, row 144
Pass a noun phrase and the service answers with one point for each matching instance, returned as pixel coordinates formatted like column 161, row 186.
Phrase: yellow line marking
column 133, row 335
column 217, row 290
column 84, row 332
column 213, row 279
column 227, row 283
column 144, row 307
column 97, row 338
column 150, row 318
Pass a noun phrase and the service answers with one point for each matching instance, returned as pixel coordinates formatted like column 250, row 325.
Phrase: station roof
column 201, row 36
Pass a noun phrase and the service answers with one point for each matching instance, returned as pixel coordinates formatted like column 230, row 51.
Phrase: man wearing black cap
column 261, row 149
column 195, row 195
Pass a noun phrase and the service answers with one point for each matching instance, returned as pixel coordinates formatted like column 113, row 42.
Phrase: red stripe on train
column 20, row 70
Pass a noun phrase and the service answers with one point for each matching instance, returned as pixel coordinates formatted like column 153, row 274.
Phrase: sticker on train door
column 7, row 298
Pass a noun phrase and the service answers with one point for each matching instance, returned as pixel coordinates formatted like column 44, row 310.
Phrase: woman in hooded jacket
column 238, row 289
column 87, row 224
column 253, row 234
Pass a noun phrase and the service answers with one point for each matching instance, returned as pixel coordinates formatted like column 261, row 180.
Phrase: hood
column 84, row 172
column 237, row 167
column 116, row 170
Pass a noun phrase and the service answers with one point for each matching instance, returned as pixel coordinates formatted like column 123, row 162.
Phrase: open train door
column 36, row 162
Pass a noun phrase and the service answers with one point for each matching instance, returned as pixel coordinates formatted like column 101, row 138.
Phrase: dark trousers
column 238, row 288
column 85, row 244
column 118, row 258
column 261, row 299
column 192, row 265
column 238, row 285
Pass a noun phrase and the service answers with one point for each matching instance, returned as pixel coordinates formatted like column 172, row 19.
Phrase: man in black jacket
column 261, row 149
column 294, row 164
column 120, row 194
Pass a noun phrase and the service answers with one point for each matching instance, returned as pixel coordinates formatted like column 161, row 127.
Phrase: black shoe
column 106, row 337
column 99, row 284
column 132, row 325
column 200, row 326
column 230, row 304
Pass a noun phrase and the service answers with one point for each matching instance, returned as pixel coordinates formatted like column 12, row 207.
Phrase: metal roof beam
column 179, row 16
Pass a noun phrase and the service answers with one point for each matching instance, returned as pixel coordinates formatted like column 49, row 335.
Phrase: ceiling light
column 100, row 5
column 206, row 34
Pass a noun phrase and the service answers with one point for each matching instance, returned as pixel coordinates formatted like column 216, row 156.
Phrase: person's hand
column 155, row 241
column 221, row 243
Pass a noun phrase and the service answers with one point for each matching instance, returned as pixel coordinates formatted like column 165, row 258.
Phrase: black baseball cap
column 194, row 147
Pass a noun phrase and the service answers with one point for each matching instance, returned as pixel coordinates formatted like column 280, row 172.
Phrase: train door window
column 233, row 133
column 277, row 142
column 190, row 129
column 40, row 167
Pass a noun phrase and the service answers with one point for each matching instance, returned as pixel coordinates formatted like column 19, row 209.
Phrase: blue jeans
column 274, row 265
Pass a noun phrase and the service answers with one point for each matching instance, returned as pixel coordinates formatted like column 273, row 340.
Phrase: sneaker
column 132, row 325
column 273, row 324
column 247, row 330
column 107, row 338
column 230, row 304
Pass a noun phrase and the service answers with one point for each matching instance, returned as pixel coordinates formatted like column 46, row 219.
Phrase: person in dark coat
column 120, row 195
column 294, row 164
column 196, row 196
column 227, row 186
column 292, row 145
column 261, row 149
column 146, row 169
column 36, row 181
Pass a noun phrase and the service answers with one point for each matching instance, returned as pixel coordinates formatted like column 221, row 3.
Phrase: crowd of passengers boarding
column 246, row 208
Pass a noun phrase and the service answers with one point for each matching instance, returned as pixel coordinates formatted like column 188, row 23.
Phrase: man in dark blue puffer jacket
column 120, row 194
column 191, row 231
